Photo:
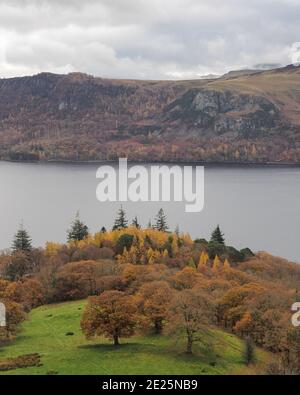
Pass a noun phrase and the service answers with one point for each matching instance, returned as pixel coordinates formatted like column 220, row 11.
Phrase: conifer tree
column 22, row 240
column 103, row 229
column 216, row 264
column 161, row 221
column 121, row 221
column 217, row 236
column 78, row 231
column 150, row 253
column 136, row 223
column 226, row 264
column 203, row 260
column 174, row 244
column 191, row 263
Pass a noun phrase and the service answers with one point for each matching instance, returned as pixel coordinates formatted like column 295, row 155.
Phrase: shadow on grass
column 12, row 343
column 120, row 347
column 153, row 349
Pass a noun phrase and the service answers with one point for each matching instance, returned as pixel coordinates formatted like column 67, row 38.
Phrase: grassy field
column 45, row 333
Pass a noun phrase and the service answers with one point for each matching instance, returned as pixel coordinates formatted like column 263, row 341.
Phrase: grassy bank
column 45, row 333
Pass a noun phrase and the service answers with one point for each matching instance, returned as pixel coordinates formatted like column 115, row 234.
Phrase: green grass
column 45, row 333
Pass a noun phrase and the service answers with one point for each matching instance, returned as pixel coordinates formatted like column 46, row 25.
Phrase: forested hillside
column 152, row 282
column 239, row 118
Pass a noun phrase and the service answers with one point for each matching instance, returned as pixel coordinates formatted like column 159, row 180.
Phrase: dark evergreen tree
column 121, row 221
column 217, row 236
column 125, row 241
column 22, row 241
column 103, row 229
column 161, row 221
column 136, row 223
column 78, row 231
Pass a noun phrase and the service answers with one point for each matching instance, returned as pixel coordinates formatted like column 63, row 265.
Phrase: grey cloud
column 143, row 39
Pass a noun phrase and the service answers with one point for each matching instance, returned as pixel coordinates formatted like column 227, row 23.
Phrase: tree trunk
column 189, row 346
column 116, row 340
column 158, row 326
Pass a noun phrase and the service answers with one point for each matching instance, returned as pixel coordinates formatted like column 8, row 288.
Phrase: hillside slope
column 45, row 333
column 243, row 118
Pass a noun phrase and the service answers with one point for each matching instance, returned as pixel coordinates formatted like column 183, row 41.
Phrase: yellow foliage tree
column 175, row 248
column 216, row 264
column 125, row 257
column 203, row 261
column 191, row 263
column 153, row 256
column 51, row 248
column 187, row 240
column 226, row 264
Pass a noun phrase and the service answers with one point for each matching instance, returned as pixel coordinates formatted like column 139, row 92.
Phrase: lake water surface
column 257, row 207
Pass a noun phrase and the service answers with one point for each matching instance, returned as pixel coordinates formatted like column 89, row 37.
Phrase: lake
column 256, row 207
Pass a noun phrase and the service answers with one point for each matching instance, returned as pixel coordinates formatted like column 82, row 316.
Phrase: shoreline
column 179, row 162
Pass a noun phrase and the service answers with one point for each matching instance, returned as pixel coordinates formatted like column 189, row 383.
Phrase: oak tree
column 112, row 314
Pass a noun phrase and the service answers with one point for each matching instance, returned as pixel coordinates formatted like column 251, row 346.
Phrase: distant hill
column 249, row 116
column 238, row 73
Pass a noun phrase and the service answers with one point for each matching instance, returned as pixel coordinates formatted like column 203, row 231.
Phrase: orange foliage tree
column 113, row 314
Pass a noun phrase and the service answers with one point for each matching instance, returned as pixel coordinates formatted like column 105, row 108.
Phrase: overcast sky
column 154, row 39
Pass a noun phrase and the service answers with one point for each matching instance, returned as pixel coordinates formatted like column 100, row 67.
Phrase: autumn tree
column 290, row 357
column 113, row 314
column 29, row 293
column 22, row 241
column 155, row 298
column 217, row 236
column 174, row 244
column 78, row 280
column 191, row 313
column 14, row 316
column 19, row 265
column 121, row 221
column 191, row 263
column 161, row 221
column 78, row 231
column 185, row 278
column 216, row 264
column 226, row 264
column 203, row 261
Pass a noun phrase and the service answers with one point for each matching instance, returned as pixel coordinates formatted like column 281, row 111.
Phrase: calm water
column 257, row 207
